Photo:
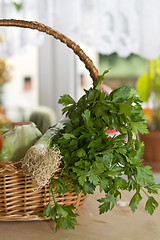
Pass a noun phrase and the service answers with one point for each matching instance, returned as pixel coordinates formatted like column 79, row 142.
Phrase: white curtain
column 121, row 26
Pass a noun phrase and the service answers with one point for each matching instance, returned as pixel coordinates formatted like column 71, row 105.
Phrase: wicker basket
column 18, row 199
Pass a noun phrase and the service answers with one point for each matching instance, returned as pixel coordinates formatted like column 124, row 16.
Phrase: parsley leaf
column 151, row 205
column 135, row 201
column 66, row 100
column 107, row 203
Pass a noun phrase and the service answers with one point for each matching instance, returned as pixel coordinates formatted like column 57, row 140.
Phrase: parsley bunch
column 92, row 158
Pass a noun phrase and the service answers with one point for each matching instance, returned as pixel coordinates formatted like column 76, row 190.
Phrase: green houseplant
column 148, row 86
column 91, row 158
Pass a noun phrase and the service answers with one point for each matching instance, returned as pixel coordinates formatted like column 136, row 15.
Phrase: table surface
column 119, row 224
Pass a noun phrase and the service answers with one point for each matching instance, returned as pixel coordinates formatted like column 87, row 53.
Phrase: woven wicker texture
column 19, row 198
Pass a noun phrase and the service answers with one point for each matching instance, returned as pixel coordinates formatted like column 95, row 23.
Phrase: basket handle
column 57, row 35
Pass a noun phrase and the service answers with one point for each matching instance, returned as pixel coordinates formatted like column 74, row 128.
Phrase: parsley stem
column 144, row 191
column 51, row 189
column 49, row 195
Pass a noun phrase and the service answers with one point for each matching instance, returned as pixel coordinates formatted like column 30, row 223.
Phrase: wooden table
column 119, row 224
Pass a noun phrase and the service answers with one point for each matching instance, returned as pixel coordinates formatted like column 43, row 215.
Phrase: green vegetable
column 92, row 158
column 42, row 160
column 17, row 139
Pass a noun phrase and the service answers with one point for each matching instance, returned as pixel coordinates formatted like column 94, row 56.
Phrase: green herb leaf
column 98, row 167
column 61, row 211
column 89, row 187
column 139, row 127
column 68, row 136
column 135, row 201
column 59, row 223
column 94, row 179
column 82, row 177
column 103, row 184
column 125, row 109
column 77, row 188
column 145, row 175
column 69, row 223
column 151, row 205
column 123, row 93
column 108, row 203
column 101, row 78
column 66, row 100
column 47, row 210
column 86, row 115
column 121, row 183
column 81, row 153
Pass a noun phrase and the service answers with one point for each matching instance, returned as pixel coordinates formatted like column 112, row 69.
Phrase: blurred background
column 35, row 69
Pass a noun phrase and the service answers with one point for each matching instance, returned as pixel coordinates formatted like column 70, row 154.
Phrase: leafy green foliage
column 62, row 215
column 151, row 205
column 107, row 203
column 93, row 158
column 135, row 201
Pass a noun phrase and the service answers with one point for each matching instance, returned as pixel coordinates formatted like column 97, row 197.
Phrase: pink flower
column 113, row 131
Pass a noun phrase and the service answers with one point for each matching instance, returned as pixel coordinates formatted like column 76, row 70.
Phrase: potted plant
column 148, row 86
column 89, row 157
